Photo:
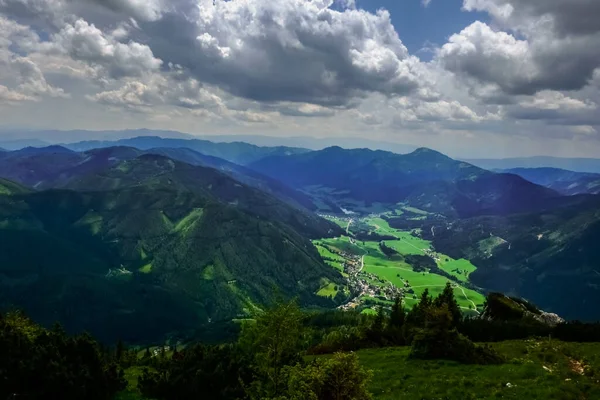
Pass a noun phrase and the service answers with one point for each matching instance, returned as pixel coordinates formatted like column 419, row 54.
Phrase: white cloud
column 540, row 45
column 85, row 42
column 300, row 66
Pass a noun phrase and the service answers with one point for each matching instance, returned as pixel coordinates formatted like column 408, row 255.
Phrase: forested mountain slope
column 424, row 178
column 549, row 257
column 153, row 246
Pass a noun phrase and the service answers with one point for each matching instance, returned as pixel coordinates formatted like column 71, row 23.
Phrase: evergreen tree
column 378, row 323
column 273, row 341
column 398, row 315
column 120, row 351
column 447, row 298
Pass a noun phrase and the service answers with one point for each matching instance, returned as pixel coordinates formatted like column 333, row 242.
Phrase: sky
column 471, row 78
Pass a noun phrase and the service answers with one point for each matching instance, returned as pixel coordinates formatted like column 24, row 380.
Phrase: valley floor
column 375, row 278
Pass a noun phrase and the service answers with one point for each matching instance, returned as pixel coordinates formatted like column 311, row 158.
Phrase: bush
column 439, row 340
column 337, row 378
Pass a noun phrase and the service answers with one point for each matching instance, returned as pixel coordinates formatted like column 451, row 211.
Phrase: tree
column 378, row 323
column 337, row 378
column 273, row 342
column 119, row 351
column 447, row 298
column 397, row 315
column 416, row 316
column 439, row 339
column 38, row 363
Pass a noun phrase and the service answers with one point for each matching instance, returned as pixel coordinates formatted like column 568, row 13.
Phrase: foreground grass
column 523, row 376
column 534, row 369
column 131, row 393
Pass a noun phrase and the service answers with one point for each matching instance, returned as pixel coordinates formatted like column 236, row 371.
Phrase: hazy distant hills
column 237, row 152
column 152, row 245
column 571, row 164
column 424, row 178
column 55, row 166
column 14, row 139
column 563, row 181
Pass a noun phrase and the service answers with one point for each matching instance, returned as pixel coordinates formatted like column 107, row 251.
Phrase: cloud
column 572, row 17
column 426, row 3
column 293, row 66
column 541, row 49
column 85, row 42
column 292, row 50
column 9, row 96
column 31, row 80
column 145, row 10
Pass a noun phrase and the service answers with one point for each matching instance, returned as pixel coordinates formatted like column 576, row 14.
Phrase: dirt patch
column 577, row 367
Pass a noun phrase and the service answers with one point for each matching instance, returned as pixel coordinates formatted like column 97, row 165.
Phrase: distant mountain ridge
column 14, row 139
column 561, row 180
column 55, row 166
column 236, row 152
column 571, row 164
column 424, row 178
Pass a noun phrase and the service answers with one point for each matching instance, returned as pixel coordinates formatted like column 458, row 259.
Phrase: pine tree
column 447, row 298
column 397, row 316
column 379, row 320
column 120, row 351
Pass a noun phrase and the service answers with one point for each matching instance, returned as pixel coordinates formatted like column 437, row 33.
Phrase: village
column 364, row 285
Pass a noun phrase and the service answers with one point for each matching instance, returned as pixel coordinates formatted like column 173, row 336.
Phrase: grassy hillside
column 153, row 246
column 548, row 257
column 535, row 370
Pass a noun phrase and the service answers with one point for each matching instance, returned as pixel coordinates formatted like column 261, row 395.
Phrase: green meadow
column 534, row 370
column 397, row 271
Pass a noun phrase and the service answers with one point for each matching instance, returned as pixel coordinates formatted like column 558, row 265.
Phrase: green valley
column 410, row 266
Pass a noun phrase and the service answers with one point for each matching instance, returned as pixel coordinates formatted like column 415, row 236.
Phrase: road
column 468, row 299
column 348, row 227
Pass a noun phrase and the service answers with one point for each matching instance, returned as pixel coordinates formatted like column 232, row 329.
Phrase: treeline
column 431, row 328
column 266, row 362
column 385, row 249
column 38, row 363
column 274, row 355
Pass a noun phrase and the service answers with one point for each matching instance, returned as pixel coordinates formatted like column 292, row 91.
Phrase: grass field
column 534, row 370
column 522, row 377
column 460, row 268
column 329, row 290
column 324, row 252
column 397, row 271
column 407, row 244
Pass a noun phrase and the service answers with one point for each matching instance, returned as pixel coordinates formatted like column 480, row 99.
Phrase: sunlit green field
column 398, row 272
column 464, row 266
column 522, row 377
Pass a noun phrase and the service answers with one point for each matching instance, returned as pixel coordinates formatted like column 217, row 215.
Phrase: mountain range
column 150, row 246
column 424, row 178
column 561, row 180
column 153, row 237
column 571, row 164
